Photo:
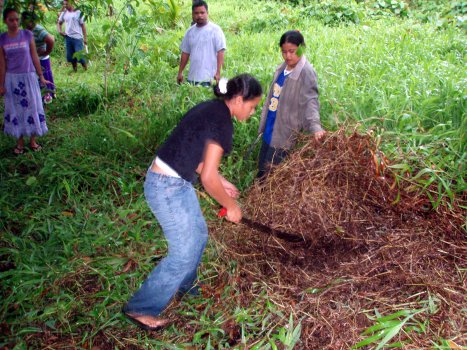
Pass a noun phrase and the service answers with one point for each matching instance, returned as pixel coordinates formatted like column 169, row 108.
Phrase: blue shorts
column 73, row 45
column 200, row 83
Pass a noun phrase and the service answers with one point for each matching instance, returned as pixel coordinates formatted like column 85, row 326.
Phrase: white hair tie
column 223, row 85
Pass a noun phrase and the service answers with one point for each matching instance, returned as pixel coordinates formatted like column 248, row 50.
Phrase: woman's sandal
column 36, row 148
column 135, row 321
column 18, row 150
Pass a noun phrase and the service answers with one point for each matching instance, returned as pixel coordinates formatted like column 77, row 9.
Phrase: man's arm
column 59, row 24
column 183, row 62
column 220, row 64
column 49, row 42
column 309, row 103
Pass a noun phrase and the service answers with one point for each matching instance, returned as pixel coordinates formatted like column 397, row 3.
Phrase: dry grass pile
column 362, row 250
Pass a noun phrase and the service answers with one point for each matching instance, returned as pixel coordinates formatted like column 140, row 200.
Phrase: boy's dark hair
column 292, row 37
column 198, row 3
column 243, row 85
column 29, row 16
column 7, row 11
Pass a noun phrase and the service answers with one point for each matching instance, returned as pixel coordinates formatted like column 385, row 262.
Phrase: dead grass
column 362, row 251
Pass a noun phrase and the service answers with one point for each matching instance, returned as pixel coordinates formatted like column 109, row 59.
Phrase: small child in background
column 195, row 146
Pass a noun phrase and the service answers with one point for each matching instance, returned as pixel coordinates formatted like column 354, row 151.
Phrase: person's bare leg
column 32, row 141
column 19, row 149
column 34, row 145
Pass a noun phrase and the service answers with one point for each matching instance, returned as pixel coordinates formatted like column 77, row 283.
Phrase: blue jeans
column 175, row 205
column 72, row 46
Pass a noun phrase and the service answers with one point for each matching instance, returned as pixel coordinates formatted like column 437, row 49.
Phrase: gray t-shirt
column 202, row 44
column 73, row 21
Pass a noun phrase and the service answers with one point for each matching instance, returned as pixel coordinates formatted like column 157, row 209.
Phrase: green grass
column 73, row 218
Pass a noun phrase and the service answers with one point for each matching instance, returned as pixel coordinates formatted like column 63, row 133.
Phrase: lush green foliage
column 73, row 221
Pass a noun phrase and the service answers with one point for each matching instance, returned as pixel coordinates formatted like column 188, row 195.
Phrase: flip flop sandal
column 36, row 148
column 142, row 325
column 17, row 150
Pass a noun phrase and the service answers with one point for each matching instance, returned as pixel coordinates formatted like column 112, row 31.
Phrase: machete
column 289, row 237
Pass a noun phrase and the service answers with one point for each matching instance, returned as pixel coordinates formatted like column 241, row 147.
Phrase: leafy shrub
column 272, row 17
column 165, row 50
column 75, row 101
column 333, row 13
column 167, row 13
column 396, row 7
column 443, row 14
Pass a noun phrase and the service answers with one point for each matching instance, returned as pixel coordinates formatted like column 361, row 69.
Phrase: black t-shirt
column 184, row 148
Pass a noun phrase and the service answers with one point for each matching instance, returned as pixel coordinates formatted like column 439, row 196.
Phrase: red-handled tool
column 289, row 237
column 222, row 212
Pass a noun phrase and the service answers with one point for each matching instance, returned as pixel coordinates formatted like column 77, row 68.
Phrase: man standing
column 75, row 33
column 204, row 45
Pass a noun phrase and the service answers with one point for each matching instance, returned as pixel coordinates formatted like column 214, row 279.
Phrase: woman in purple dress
column 19, row 63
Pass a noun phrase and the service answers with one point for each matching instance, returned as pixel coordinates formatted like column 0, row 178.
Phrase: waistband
column 166, row 168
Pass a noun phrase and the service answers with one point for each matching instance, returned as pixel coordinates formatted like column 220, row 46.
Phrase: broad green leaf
column 395, row 315
column 381, row 325
column 31, row 180
column 369, row 340
column 392, row 332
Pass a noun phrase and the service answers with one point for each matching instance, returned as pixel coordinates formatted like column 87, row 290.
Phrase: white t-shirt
column 202, row 44
column 73, row 21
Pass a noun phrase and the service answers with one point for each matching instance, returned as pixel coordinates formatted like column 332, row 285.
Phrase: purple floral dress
column 24, row 112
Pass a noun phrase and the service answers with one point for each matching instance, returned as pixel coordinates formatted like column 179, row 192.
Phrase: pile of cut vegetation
column 372, row 249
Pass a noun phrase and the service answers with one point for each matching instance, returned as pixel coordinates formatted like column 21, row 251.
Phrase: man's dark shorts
column 72, row 46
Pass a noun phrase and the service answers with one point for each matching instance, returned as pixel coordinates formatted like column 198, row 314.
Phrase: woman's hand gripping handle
column 231, row 215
